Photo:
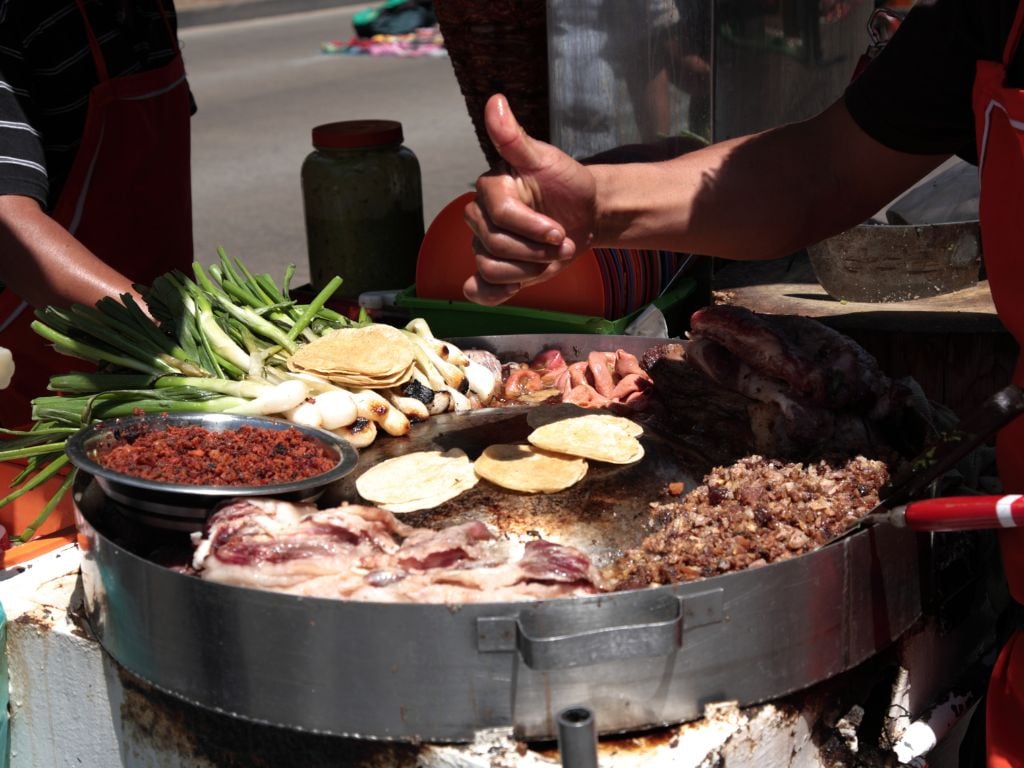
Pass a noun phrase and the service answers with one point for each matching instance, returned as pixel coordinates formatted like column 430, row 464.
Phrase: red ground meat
column 198, row 456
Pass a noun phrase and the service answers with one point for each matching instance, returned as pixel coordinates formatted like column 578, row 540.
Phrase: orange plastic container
column 58, row 530
column 446, row 259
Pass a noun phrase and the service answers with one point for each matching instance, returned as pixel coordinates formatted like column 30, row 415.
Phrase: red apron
column 999, row 118
column 128, row 198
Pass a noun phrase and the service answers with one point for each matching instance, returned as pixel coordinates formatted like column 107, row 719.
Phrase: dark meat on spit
column 357, row 552
column 804, row 390
column 817, row 363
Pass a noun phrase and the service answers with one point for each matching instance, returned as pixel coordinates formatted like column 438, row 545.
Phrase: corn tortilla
column 523, row 467
column 601, row 437
column 420, row 480
column 367, row 382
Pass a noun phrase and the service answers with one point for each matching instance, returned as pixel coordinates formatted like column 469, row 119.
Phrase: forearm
column 44, row 264
column 756, row 197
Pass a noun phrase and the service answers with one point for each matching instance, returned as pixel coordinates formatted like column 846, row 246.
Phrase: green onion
column 213, row 342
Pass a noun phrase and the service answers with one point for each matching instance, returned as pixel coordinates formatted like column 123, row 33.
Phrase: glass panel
column 632, row 71
column 782, row 60
column 627, row 72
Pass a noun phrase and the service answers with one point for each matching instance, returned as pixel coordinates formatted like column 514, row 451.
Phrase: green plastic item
column 393, row 17
column 368, row 15
column 464, row 318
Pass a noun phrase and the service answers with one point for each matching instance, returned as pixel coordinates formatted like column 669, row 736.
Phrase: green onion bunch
column 213, row 341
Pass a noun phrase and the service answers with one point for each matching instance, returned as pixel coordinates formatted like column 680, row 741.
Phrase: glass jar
column 363, row 203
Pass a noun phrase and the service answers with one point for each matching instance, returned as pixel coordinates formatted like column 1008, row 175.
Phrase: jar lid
column 352, row 134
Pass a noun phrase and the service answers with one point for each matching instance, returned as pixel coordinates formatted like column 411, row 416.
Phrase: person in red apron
column 948, row 83
column 124, row 213
column 999, row 115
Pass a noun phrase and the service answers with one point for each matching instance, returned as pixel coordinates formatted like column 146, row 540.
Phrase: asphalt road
column 261, row 85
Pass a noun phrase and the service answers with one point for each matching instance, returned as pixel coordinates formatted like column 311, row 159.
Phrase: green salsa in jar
column 363, row 204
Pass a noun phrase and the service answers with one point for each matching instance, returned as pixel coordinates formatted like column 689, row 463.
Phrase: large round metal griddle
column 442, row 673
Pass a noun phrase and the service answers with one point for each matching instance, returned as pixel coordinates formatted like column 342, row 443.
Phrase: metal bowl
column 183, row 506
column 898, row 262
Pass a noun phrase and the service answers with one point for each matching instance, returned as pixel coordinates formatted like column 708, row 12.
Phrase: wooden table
column 954, row 345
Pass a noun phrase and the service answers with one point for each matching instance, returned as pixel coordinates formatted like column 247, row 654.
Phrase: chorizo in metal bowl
column 173, row 469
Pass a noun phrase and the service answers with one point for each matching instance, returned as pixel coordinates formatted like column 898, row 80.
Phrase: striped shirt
column 47, row 72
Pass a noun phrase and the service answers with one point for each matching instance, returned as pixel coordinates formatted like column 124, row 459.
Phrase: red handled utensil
column 954, row 513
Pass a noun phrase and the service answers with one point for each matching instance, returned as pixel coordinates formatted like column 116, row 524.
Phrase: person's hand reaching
column 531, row 219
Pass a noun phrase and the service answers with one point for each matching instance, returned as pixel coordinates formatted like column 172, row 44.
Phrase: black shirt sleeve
column 915, row 96
column 22, row 157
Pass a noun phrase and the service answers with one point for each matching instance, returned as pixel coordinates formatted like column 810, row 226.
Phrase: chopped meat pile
column 754, row 512
column 356, row 552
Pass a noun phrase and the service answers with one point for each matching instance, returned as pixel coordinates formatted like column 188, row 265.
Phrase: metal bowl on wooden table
column 877, row 262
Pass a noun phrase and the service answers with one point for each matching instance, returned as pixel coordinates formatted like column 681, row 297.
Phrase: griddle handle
column 541, row 641
column 658, row 638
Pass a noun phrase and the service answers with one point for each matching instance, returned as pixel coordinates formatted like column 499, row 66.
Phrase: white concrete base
column 73, row 706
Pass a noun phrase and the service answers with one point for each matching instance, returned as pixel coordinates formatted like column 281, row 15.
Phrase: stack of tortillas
column 421, row 480
column 375, row 356
column 557, row 453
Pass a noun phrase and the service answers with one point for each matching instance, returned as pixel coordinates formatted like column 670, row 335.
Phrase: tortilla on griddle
column 597, row 436
column 523, row 467
column 377, row 356
column 420, row 480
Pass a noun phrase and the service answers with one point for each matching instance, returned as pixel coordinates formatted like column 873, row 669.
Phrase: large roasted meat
column 782, row 386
